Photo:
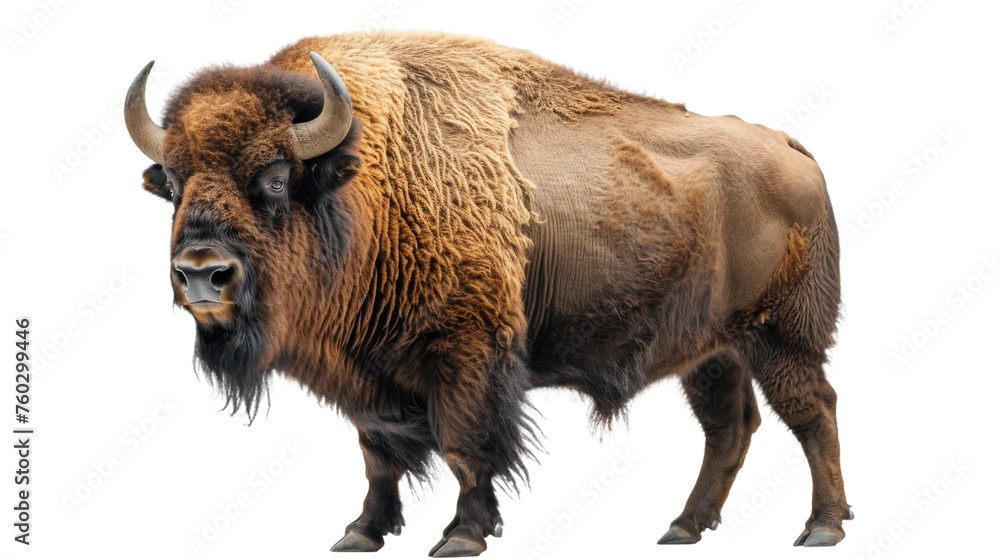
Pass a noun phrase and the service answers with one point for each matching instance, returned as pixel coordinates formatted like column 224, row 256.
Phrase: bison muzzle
column 440, row 224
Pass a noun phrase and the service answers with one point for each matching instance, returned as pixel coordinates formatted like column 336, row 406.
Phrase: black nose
column 203, row 273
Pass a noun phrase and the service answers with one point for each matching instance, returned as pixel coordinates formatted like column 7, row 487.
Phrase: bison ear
column 154, row 180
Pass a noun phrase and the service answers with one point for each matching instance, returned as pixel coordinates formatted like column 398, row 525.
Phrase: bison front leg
column 477, row 516
column 387, row 459
column 477, row 412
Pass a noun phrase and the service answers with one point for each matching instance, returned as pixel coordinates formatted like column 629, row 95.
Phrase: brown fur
column 496, row 222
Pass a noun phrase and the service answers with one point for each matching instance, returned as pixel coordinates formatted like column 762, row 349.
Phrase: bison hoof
column 456, row 546
column 354, row 541
column 818, row 537
column 676, row 535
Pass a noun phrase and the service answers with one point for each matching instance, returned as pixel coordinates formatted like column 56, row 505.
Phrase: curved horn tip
column 138, row 85
column 318, row 60
column 147, row 135
column 328, row 75
column 329, row 129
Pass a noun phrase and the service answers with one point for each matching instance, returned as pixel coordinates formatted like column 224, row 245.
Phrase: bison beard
column 493, row 222
column 230, row 356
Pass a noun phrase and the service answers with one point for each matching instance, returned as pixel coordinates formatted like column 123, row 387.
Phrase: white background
column 868, row 100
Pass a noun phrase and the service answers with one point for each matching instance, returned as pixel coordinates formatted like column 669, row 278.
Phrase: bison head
column 252, row 160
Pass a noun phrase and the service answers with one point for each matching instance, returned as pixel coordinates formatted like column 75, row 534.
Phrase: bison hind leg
column 786, row 358
column 721, row 396
column 798, row 391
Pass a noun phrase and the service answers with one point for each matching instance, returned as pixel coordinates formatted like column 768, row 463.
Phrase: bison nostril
column 222, row 277
column 204, row 282
column 181, row 279
column 204, row 272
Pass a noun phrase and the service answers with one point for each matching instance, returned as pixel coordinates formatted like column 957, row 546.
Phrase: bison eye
column 272, row 180
column 170, row 185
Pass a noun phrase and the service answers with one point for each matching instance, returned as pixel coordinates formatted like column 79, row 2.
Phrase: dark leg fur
column 799, row 393
column 479, row 422
column 477, row 515
column 385, row 466
column 721, row 395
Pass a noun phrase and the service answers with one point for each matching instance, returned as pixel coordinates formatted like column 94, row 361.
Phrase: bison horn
column 328, row 130
column 146, row 134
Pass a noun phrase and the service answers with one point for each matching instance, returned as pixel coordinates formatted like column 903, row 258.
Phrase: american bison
column 441, row 224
